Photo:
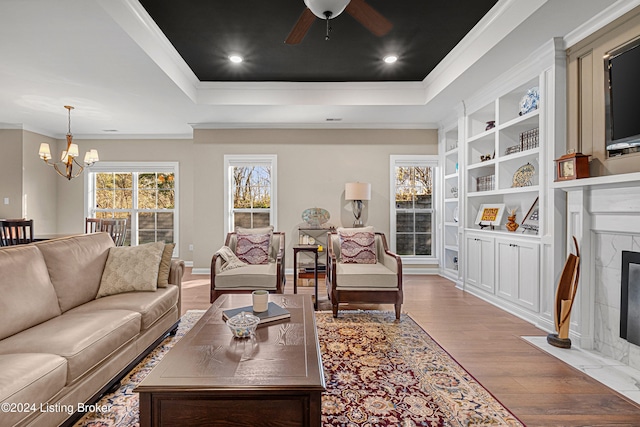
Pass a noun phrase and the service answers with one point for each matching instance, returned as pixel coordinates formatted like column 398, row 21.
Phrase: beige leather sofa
column 59, row 345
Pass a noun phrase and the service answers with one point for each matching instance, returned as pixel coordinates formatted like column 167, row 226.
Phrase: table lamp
column 357, row 192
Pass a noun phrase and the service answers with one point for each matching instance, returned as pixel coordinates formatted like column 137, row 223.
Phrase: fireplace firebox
column 630, row 297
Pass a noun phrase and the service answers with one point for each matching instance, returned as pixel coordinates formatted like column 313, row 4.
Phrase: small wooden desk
column 210, row 378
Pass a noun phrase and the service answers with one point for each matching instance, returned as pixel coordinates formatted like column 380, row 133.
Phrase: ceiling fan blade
column 301, row 27
column 369, row 17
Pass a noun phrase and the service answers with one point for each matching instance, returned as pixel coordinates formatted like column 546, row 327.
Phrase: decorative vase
column 512, row 225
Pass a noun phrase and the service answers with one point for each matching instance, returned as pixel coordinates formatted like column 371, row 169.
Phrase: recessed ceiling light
column 236, row 59
column 390, row 59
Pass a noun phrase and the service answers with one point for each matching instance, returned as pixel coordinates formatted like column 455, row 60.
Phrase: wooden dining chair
column 117, row 229
column 16, row 232
column 92, row 225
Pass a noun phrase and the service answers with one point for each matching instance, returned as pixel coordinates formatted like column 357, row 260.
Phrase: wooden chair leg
column 335, row 310
column 398, row 310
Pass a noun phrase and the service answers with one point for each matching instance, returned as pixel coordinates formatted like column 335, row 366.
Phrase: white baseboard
column 206, row 271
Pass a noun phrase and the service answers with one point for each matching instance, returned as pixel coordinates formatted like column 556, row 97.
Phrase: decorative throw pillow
column 229, row 259
column 165, row 265
column 253, row 248
column 357, row 245
column 273, row 251
column 131, row 268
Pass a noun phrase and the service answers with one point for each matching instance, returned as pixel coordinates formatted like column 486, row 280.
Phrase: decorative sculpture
column 511, row 224
column 565, row 295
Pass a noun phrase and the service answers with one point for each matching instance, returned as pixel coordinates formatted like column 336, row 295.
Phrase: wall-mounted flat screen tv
column 622, row 74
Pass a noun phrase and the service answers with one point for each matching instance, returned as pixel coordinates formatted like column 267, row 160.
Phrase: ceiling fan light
column 319, row 7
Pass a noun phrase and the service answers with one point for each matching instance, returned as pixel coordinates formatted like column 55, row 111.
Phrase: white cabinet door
column 518, row 272
column 480, row 262
column 507, row 283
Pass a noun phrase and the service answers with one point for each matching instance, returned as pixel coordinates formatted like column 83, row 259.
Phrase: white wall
column 40, row 184
column 11, row 173
column 313, row 167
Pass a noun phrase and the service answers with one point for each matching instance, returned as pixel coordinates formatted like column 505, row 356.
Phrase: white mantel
column 603, row 213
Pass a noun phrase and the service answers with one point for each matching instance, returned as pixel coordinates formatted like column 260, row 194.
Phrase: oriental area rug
column 378, row 372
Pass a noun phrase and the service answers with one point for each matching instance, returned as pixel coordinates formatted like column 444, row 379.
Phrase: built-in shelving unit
column 504, row 156
column 500, row 143
column 451, row 189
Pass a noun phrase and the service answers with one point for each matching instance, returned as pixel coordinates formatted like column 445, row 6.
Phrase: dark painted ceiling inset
column 206, row 32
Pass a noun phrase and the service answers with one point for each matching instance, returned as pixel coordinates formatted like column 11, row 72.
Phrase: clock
column 572, row 166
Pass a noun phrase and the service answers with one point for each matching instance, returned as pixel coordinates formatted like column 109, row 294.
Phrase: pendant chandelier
column 65, row 167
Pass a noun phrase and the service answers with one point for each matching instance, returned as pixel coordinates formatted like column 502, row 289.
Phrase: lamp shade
column 319, row 7
column 357, row 191
column 45, row 151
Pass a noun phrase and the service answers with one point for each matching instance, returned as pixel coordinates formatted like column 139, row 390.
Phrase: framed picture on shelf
column 531, row 220
column 490, row 214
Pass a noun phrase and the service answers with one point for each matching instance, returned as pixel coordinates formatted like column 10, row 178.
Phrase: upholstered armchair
column 360, row 277
column 247, row 278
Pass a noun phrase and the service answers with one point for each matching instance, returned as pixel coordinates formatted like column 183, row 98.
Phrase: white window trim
column 139, row 167
column 270, row 160
column 432, row 161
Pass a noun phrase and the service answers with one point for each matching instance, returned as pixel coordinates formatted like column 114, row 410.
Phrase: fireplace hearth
column 630, row 297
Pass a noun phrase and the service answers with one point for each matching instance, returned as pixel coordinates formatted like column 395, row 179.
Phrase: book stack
column 274, row 312
column 485, row 183
column 529, row 139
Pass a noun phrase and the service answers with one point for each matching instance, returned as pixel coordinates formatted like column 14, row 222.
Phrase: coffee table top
column 282, row 354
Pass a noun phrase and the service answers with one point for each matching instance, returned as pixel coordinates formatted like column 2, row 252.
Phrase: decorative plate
column 522, row 177
column 530, row 101
column 315, row 217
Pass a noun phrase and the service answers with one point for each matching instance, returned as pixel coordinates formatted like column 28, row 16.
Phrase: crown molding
column 599, row 21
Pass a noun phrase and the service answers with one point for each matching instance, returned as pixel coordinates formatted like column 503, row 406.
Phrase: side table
column 314, row 250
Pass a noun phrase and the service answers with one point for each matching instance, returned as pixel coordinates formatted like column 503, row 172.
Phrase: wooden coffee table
column 210, row 378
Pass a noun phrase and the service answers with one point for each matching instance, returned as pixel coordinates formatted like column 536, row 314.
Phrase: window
column 250, row 191
column 145, row 194
column 412, row 209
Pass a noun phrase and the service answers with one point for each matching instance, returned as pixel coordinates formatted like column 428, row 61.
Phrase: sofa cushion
column 27, row 296
column 253, row 248
column 75, row 266
column 29, row 378
column 365, row 276
column 131, row 268
column 262, row 276
column 151, row 305
column 165, row 265
column 84, row 339
column 357, row 246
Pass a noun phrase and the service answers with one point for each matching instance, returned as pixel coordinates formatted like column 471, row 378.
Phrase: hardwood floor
column 538, row 388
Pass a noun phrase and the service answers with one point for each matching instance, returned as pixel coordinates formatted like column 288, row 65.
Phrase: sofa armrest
column 176, row 271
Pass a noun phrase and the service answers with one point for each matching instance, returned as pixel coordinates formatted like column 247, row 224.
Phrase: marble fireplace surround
column 604, row 215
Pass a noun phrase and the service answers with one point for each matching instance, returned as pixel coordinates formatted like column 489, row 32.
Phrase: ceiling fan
column 329, row 9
